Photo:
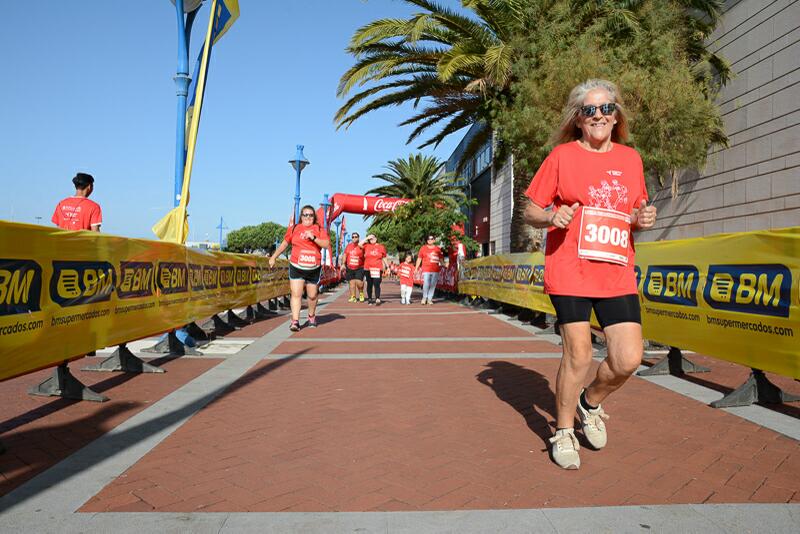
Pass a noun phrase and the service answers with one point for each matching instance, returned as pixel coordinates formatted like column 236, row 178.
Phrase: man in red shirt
column 78, row 212
column 430, row 258
column 354, row 267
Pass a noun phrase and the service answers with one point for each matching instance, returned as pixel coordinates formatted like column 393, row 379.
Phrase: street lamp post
column 221, row 227
column 299, row 163
column 185, row 11
column 337, row 223
column 325, row 204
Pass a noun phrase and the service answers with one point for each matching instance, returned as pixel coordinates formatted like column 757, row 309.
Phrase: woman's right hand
column 271, row 262
column 563, row 216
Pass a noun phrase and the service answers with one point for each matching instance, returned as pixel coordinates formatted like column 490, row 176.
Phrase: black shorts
column 311, row 276
column 609, row 310
column 353, row 274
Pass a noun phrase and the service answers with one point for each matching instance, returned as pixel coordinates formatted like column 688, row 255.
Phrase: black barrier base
column 525, row 315
column 124, row 360
column 488, row 305
column 757, row 388
column 539, row 320
column 273, row 305
column 235, row 320
column 283, row 303
column 674, row 363
column 262, row 312
column 199, row 333
column 171, row 346
column 219, row 327
column 465, row 301
column 63, row 384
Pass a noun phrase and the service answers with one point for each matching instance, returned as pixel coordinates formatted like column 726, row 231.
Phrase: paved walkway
column 397, row 418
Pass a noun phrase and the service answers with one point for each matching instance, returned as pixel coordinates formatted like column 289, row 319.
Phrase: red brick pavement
column 438, row 434
column 38, row 432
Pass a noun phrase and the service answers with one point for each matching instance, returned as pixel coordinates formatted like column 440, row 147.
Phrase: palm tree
column 419, row 177
column 456, row 63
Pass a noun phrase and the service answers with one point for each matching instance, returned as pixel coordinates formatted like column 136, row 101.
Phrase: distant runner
column 430, row 259
column 305, row 265
column 374, row 264
column 354, row 268
column 596, row 187
column 406, row 274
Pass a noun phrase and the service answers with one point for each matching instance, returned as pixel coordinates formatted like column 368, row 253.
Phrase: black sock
column 585, row 403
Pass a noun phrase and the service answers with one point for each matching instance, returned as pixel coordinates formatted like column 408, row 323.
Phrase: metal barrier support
column 219, row 327
column 674, row 363
column 262, row 312
column 200, row 333
column 757, row 388
column 273, row 305
column 234, row 320
column 172, row 346
column 124, row 360
column 64, row 384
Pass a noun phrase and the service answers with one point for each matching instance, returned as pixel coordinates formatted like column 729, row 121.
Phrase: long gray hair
column 568, row 130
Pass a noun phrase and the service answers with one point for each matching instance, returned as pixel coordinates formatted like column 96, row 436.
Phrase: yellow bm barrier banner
column 732, row 296
column 63, row 294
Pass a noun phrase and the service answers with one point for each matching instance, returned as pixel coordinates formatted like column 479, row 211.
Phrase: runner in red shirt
column 354, row 267
column 430, row 259
column 78, row 212
column 305, row 264
column 596, row 187
column 406, row 274
column 374, row 263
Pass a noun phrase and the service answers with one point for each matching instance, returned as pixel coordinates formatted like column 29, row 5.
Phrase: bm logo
column 672, row 284
column 173, row 277
column 20, row 286
column 759, row 289
column 82, row 282
column 136, row 279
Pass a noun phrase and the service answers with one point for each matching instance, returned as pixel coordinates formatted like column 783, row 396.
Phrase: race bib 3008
column 604, row 235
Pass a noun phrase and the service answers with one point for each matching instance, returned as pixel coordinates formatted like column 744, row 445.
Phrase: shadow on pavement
column 522, row 389
column 329, row 318
column 118, row 442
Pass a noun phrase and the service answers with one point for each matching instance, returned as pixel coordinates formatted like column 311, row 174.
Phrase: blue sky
column 87, row 86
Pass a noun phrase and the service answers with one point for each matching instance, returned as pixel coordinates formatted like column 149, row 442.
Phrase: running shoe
column 371, row 302
column 593, row 426
column 361, row 298
column 377, row 302
column 295, row 326
column 565, row 449
column 351, row 299
column 312, row 321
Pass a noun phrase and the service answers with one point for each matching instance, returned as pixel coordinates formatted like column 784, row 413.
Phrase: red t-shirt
column 431, row 258
column 612, row 180
column 305, row 253
column 373, row 254
column 77, row 213
column 406, row 274
column 354, row 256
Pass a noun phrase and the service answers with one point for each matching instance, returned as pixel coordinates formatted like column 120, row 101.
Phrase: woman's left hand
column 646, row 215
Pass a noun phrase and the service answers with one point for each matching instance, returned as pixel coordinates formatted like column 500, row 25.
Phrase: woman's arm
column 278, row 252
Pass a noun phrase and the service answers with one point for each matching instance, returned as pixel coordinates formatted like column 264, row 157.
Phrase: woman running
column 596, row 187
column 374, row 264
column 406, row 274
column 354, row 268
column 307, row 240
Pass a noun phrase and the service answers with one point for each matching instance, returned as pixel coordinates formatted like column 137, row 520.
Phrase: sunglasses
column 605, row 109
column 431, row 239
column 306, row 214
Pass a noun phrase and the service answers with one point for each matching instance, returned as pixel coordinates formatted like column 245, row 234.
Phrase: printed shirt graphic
column 305, row 253
column 406, row 274
column 77, row 213
column 354, row 256
column 611, row 180
column 431, row 258
column 373, row 254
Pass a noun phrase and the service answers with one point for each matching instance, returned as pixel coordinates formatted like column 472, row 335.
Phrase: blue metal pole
column 220, row 233
column 338, row 223
column 325, row 204
column 298, row 157
column 182, row 84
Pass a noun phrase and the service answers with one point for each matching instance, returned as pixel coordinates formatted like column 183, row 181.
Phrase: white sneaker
column 565, row 449
column 593, row 426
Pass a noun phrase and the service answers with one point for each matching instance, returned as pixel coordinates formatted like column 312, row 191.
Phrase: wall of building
column 502, row 203
column 754, row 184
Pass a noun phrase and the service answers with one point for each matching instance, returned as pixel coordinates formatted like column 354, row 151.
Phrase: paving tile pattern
column 441, row 434
column 40, row 431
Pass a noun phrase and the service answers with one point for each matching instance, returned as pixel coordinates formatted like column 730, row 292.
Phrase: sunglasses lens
column 588, row 111
column 605, row 109
column 608, row 109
